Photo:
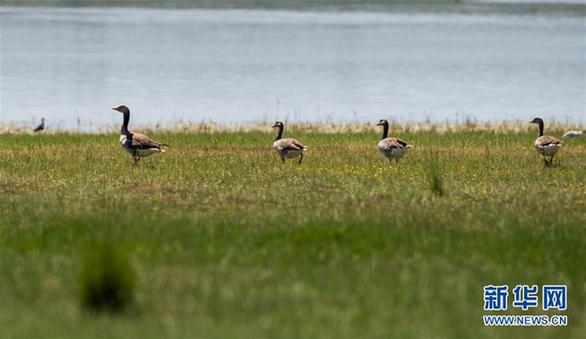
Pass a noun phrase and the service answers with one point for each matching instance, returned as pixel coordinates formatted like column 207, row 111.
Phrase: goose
column 546, row 146
column 391, row 148
column 572, row 134
column 137, row 144
column 41, row 126
column 287, row 147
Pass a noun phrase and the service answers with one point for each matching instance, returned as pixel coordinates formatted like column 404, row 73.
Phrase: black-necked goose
column 287, row 147
column 137, row 144
column 546, row 145
column 41, row 126
column 391, row 148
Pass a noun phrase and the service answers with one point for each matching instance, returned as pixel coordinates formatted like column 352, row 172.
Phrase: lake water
column 239, row 65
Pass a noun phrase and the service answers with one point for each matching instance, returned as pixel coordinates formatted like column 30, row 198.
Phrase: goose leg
column 300, row 158
column 136, row 159
column 397, row 160
column 283, row 159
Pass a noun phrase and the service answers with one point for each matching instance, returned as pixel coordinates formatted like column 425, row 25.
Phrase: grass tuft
column 435, row 177
column 107, row 281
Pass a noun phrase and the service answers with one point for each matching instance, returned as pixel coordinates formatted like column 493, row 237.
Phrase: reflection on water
column 250, row 65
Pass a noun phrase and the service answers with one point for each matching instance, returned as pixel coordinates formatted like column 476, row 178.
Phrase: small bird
column 137, row 144
column 572, row 134
column 391, row 148
column 41, row 126
column 546, row 145
column 288, row 147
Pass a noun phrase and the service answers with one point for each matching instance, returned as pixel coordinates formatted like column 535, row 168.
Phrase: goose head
column 538, row 121
column 122, row 109
column 278, row 124
column 382, row 122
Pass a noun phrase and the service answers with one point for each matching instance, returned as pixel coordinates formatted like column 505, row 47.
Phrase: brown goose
column 287, row 147
column 391, row 148
column 546, row 145
column 137, row 144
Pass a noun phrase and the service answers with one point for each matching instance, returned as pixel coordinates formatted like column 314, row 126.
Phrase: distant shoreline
column 453, row 6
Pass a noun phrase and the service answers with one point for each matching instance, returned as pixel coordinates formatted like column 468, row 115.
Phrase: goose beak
column 115, row 108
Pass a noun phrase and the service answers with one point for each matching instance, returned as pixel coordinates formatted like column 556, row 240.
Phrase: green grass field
column 224, row 240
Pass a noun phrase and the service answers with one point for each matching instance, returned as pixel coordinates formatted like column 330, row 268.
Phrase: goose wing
column 141, row 141
column 393, row 143
column 547, row 140
column 290, row 144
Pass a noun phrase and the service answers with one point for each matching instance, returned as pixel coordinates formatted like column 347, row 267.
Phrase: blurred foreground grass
column 226, row 241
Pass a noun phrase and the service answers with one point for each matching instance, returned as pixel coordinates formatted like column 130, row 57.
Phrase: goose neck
column 385, row 131
column 124, row 128
column 280, row 133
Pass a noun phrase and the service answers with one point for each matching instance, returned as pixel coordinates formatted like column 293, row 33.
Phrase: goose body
column 140, row 145
column 546, row 145
column 391, row 148
column 137, row 145
column 287, row 148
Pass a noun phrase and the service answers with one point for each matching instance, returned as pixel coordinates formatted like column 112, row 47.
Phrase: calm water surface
column 256, row 65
